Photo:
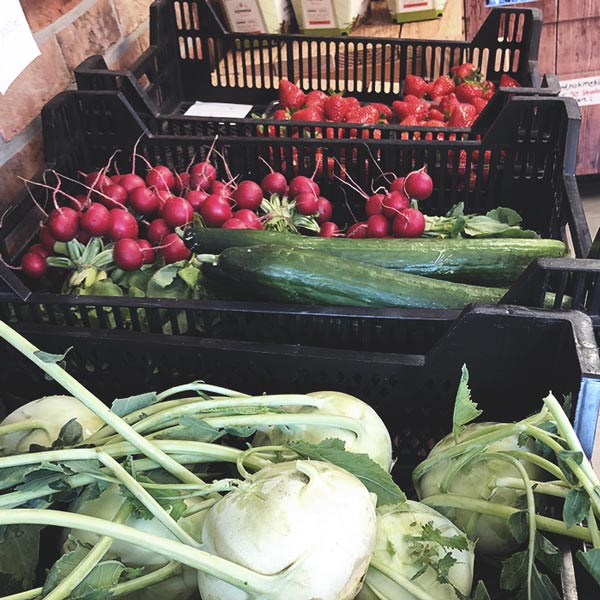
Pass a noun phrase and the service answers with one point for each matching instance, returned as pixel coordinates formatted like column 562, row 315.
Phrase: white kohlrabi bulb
column 311, row 519
column 374, row 440
column 401, row 544
column 54, row 412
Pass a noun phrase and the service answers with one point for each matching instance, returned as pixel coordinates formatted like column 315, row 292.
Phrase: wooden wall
column 567, row 48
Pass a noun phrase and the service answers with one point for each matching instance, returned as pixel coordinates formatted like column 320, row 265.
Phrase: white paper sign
column 17, row 46
column 585, row 90
column 218, row 110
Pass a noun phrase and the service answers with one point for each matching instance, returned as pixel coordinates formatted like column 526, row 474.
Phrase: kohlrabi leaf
column 542, row 587
column 19, row 548
column 563, row 458
column 518, row 524
column 430, row 533
column 505, row 215
column 591, row 561
column 165, row 497
column 576, row 507
column 192, row 429
column 465, row 410
column 125, row 406
column 375, row 479
column 481, row 592
column 70, row 434
column 514, row 578
column 48, row 357
column 547, row 553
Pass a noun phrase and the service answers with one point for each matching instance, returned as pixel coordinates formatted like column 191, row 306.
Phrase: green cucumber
column 478, row 261
column 309, row 277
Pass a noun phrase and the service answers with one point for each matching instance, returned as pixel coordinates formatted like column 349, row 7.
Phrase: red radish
column 328, row 229
column 83, row 237
column 250, row 218
column 128, row 255
column 306, row 203
column 410, row 223
column 234, row 223
column 378, row 226
column 162, row 196
column 182, row 182
column 358, row 230
column 157, row 230
column 113, row 195
column 374, row 205
column 41, row 250
column 122, row 225
column 33, row 265
column 143, row 200
column 148, row 251
column 177, row 212
column 96, row 220
column 130, row 182
column 160, row 178
column 248, row 194
column 393, row 203
column 78, row 202
column 97, row 180
column 324, row 209
column 174, row 249
column 63, row 224
column 418, row 184
column 116, row 178
column 397, row 185
column 274, row 183
column 220, row 188
column 46, row 238
column 196, row 198
column 215, row 211
column 202, row 175
column 300, row 184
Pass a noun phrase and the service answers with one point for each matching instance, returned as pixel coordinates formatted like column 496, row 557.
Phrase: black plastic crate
column 193, row 57
column 530, row 169
column 515, row 357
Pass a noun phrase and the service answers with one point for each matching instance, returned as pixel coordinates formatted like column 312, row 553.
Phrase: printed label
column 414, row 5
column 244, row 16
column 585, row 90
column 318, row 14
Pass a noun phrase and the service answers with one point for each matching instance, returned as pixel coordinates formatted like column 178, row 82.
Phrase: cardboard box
column 404, row 11
column 258, row 16
column 330, row 17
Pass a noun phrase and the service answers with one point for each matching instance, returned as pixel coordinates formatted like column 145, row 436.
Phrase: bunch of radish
column 393, row 211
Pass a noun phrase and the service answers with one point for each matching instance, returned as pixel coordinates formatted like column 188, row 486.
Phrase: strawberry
column 308, row 114
column 434, row 123
column 508, row 81
column 316, row 98
column 401, row 109
column 410, row 120
column 464, row 72
column 442, row 86
column 411, row 99
column 290, row 95
column 281, row 115
column 353, row 116
column 448, row 103
column 435, row 114
column 479, row 104
column 415, row 86
column 385, row 112
column 369, row 114
column 466, row 91
column 463, row 115
column 352, row 102
column 489, row 89
column 335, row 108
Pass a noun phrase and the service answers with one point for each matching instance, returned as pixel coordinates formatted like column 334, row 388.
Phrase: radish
column 177, row 212
column 83, row 237
column 393, row 203
column 122, row 225
column 374, row 205
column 358, row 230
column 306, row 203
column 378, row 226
column 410, row 223
column 249, row 218
column 274, row 183
column 148, row 251
column 300, row 184
column 116, row 178
column 397, row 185
column 215, row 211
column 113, row 195
column 97, row 180
column 157, row 230
column 34, row 265
column 182, row 182
column 418, row 184
column 160, row 178
column 220, row 188
column 78, row 202
column 196, row 198
column 41, row 250
column 174, row 249
column 130, row 182
column 143, row 200
column 324, row 209
column 46, row 238
column 248, row 194
column 162, row 196
column 234, row 223
column 96, row 220
column 63, row 224
column 202, row 175
column 328, row 229
column 128, row 255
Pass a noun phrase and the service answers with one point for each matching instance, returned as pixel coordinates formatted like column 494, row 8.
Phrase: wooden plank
column 576, row 51
column 379, row 23
column 547, row 53
column 449, row 27
column 573, row 10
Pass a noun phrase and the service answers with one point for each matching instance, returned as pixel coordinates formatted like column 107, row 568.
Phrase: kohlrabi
column 418, row 554
column 40, row 422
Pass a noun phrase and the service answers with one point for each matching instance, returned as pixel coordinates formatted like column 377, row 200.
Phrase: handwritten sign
column 585, row 90
column 17, row 46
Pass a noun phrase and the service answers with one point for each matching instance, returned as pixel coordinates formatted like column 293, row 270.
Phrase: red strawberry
column 465, row 71
column 508, row 81
column 448, row 104
column 385, row 112
column 434, row 123
column 415, row 86
column 335, row 108
column 411, row 99
column 435, row 114
column 290, row 95
column 369, row 114
column 479, row 104
column 489, row 89
column 401, row 109
column 281, row 115
column 316, row 98
column 463, row 115
column 466, row 91
column 410, row 120
column 308, row 114
column 352, row 102
column 353, row 116
column 442, row 86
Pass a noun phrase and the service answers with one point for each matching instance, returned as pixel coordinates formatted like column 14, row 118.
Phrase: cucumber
column 309, row 277
column 495, row 262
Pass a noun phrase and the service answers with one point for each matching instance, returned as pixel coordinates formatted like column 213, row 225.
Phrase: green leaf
column 126, row 406
column 518, row 524
column 164, row 277
column 542, row 587
column 192, row 429
column 190, row 275
column 430, row 533
column 104, row 287
column 174, row 506
column 591, row 561
column 505, row 215
column 375, row 479
column 19, row 549
column 465, row 410
column 547, row 553
column 514, row 571
column 48, row 357
column 70, row 434
column 576, row 507
column 569, row 455
column 481, row 592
